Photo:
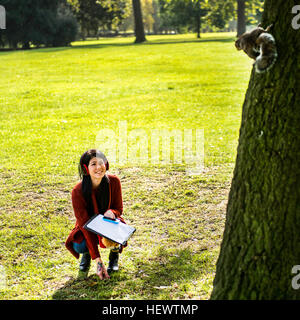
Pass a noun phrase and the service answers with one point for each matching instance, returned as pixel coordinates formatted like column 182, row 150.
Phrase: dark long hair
column 102, row 192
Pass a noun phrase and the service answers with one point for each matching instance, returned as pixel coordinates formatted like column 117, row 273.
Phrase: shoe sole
column 112, row 270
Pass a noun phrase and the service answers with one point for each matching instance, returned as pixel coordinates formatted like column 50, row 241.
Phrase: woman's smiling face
column 97, row 168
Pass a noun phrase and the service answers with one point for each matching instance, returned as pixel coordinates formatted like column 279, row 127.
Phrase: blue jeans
column 80, row 247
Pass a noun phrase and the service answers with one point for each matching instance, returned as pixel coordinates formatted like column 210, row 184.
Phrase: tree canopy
column 57, row 22
column 192, row 14
column 95, row 14
column 38, row 22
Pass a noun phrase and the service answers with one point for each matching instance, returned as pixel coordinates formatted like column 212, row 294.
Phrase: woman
column 97, row 193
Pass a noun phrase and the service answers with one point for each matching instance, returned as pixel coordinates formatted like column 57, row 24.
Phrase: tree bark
column 241, row 19
column 261, row 240
column 138, row 22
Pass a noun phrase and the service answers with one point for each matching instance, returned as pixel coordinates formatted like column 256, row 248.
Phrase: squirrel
column 259, row 45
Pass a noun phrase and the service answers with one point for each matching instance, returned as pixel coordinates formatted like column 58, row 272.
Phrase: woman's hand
column 101, row 270
column 109, row 214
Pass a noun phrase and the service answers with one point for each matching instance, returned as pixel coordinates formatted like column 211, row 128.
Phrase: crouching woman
column 97, row 193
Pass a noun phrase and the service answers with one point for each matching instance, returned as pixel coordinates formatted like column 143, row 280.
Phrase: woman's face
column 97, row 168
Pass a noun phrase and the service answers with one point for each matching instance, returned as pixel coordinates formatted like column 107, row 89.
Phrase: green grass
column 55, row 101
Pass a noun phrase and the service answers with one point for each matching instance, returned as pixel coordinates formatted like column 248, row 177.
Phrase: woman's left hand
column 109, row 214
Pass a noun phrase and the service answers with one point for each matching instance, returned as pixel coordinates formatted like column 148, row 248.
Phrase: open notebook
column 114, row 230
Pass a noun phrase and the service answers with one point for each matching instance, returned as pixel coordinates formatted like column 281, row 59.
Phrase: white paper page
column 118, row 232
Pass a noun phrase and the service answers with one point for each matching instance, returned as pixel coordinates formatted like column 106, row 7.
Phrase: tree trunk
column 138, row 22
column 241, row 19
column 198, row 26
column 261, row 241
column 155, row 16
column 197, row 9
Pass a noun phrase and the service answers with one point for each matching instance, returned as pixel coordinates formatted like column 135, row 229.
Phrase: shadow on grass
column 161, row 276
column 127, row 44
column 85, row 289
column 154, row 42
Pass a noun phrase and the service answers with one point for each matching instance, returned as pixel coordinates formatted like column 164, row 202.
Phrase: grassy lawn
column 53, row 104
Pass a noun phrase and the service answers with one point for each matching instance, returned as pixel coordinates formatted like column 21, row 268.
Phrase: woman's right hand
column 101, row 270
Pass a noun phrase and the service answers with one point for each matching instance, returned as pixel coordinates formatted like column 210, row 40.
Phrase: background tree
column 95, row 14
column 148, row 13
column 248, row 11
column 37, row 22
column 138, row 22
column 192, row 15
column 89, row 14
column 116, row 12
column 180, row 14
column 220, row 12
column 156, row 16
column 166, row 15
column 241, row 17
column 254, row 10
column 261, row 239
column 198, row 9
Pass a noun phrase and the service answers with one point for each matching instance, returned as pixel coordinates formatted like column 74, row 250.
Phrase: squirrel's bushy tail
column 268, row 53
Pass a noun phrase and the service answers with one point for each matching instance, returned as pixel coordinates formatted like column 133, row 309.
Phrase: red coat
column 78, row 233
